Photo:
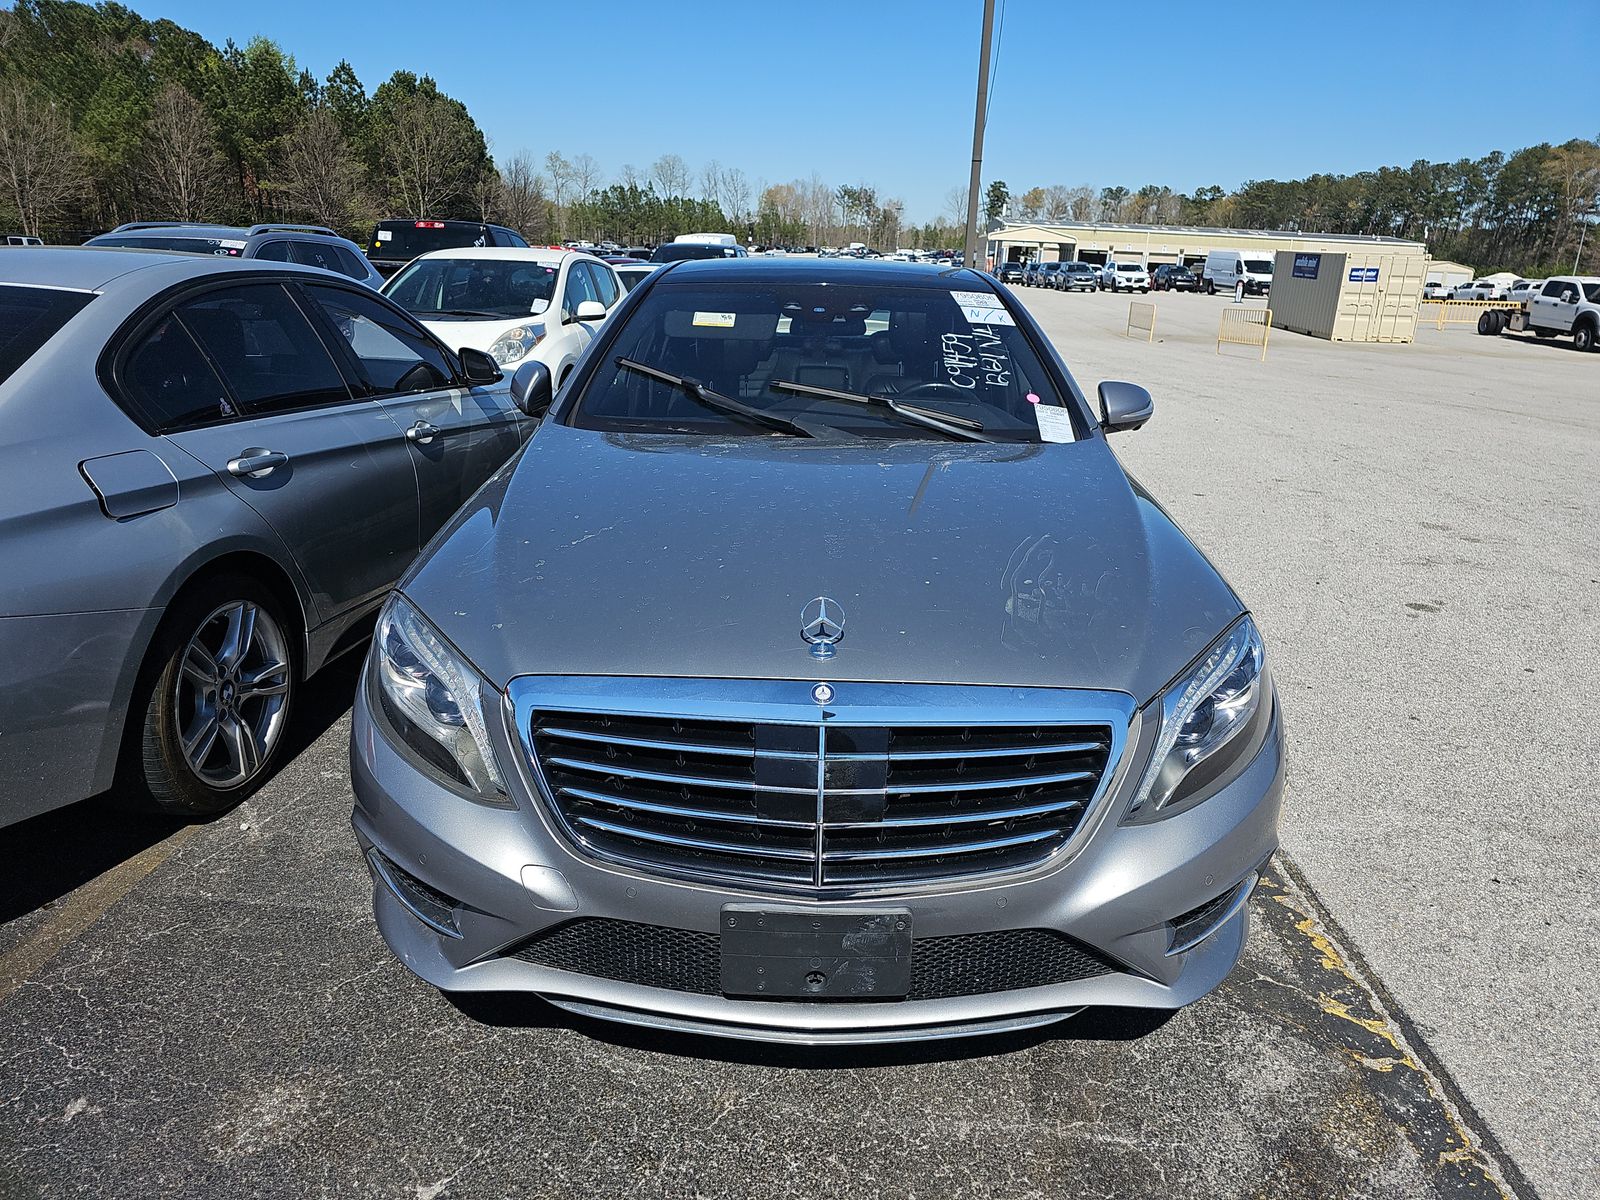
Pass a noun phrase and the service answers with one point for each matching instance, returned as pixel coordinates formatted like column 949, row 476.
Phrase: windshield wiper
column 951, row 426
column 726, row 405
column 462, row 312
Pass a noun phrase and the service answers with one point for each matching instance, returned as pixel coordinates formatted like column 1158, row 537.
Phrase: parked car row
column 1075, row 276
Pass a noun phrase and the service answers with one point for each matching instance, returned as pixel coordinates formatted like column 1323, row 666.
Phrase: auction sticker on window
column 1055, row 423
column 982, row 308
column 714, row 320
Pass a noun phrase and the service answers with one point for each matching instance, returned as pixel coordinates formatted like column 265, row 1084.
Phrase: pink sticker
column 1032, row 399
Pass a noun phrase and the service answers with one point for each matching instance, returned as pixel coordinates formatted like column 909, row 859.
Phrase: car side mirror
column 591, row 310
column 530, row 388
column 1124, row 406
column 478, row 367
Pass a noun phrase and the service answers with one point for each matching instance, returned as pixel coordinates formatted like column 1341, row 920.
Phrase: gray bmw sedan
column 817, row 674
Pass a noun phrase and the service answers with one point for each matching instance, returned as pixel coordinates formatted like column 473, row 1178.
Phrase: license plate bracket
column 803, row 954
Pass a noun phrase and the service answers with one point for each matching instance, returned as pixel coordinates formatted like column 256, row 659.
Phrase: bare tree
column 523, row 204
column 1081, row 203
column 735, row 190
column 40, row 172
column 631, row 176
column 671, row 174
column 586, row 176
column 320, row 176
column 1057, row 204
column 422, row 155
column 711, row 183
column 955, row 205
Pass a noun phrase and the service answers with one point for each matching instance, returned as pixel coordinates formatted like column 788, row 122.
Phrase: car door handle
column 422, row 433
column 256, row 463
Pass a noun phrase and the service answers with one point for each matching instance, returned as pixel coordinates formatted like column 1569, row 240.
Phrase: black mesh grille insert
column 684, row 960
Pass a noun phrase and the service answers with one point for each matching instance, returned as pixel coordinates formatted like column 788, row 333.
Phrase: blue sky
column 881, row 91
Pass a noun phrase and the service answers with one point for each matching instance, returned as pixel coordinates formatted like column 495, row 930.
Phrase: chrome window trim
column 775, row 701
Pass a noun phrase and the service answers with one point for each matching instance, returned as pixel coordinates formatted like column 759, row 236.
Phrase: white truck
column 1566, row 304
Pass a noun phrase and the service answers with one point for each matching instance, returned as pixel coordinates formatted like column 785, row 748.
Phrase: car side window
column 605, row 284
column 393, row 355
column 579, row 288
column 264, row 348
column 350, row 263
column 511, row 238
column 273, row 251
column 316, row 254
column 166, row 378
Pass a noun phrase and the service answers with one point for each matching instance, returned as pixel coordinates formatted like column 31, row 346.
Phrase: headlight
column 431, row 697
column 513, row 344
column 1205, row 716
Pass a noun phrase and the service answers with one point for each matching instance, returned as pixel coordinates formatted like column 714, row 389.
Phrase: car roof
column 536, row 254
column 91, row 268
column 821, row 270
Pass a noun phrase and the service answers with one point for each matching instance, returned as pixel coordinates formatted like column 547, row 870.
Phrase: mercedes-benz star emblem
column 822, row 693
column 822, row 624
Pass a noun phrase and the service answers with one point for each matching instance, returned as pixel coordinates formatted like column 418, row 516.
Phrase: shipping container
column 1347, row 296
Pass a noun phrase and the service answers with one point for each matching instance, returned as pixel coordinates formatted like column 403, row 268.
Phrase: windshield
column 947, row 353
column 185, row 244
column 1130, row 268
column 1258, row 266
column 486, row 288
column 407, row 239
column 30, row 317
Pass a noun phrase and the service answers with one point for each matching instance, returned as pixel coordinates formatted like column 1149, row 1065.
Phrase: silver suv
column 214, row 471
column 818, row 674
column 308, row 245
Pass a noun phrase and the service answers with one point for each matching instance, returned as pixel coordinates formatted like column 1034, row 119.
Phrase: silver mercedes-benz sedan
column 213, row 470
column 816, row 673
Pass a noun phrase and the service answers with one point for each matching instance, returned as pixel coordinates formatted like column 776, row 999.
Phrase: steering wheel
column 935, row 391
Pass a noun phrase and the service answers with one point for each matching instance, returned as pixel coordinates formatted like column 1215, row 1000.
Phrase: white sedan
column 513, row 303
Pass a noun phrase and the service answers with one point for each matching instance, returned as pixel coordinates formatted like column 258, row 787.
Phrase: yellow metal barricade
column 1247, row 327
column 1467, row 312
column 1141, row 317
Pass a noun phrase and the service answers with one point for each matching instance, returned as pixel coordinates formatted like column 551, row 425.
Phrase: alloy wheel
column 232, row 694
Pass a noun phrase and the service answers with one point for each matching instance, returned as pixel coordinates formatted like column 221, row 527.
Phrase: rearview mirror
column 1124, row 406
column 478, row 367
column 591, row 310
column 530, row 388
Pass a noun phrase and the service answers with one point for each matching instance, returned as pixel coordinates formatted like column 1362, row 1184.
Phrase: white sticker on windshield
column 538, row 305
column 714, row 320
column 982, row 308
column 386, row 235
column 230, row 243
column 1055, row 423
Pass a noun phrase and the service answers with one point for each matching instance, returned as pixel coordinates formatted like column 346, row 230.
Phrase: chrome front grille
column 837, row 800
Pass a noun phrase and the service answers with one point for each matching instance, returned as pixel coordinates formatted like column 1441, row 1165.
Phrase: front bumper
column 505, row 875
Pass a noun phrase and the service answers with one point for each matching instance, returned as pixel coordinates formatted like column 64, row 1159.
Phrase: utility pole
column 973, row 188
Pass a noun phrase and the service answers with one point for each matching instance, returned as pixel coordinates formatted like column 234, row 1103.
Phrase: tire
column 1500, row 321
column 1486, row 323
column 211, row 713
column 1583, row 337
column 1211, row 287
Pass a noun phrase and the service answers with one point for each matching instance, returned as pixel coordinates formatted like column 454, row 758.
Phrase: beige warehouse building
column 1155, row 244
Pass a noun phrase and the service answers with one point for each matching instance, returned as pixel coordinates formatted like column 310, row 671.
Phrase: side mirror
column 591, row 310
column 1124, row 406
column 478, row 367
column 530, row 388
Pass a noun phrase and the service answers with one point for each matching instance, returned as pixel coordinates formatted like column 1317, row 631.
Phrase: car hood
column 651, row 555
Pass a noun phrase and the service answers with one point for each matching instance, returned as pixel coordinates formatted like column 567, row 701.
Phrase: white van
column 1224, row 269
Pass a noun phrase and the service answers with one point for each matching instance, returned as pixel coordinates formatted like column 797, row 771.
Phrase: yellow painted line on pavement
column 81, row 909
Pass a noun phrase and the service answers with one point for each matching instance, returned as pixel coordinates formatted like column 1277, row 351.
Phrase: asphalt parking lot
column 207, row 1010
